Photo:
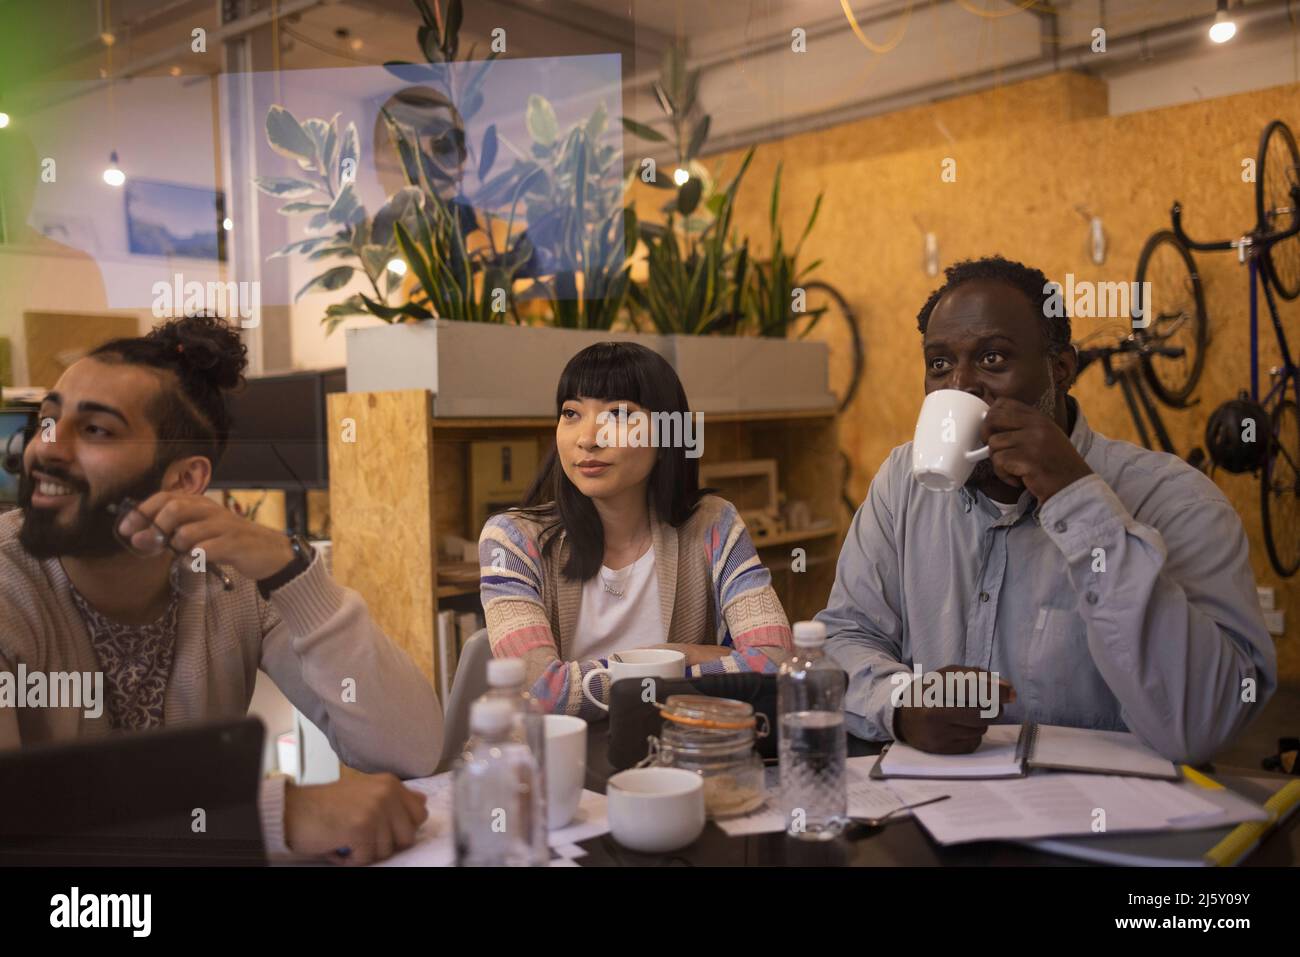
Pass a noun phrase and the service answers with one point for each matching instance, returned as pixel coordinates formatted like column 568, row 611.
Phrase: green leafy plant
column 696, row 286
column 697, row 272
column 330, row 157
column 576, row 219
column 441, row 260
column 774, row 297
column 427, row 222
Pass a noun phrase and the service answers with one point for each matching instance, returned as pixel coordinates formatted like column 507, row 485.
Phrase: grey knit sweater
column 314, row 638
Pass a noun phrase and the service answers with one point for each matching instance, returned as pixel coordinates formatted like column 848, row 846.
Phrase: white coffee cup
column 566, row 767
column 639, row 663
column 944, row 449
column 655, row 810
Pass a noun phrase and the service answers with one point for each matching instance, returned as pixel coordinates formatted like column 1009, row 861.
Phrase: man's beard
column 90, row 533
column 1046, row 404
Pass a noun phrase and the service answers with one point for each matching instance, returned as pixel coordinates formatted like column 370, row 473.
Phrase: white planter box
column 750, row 374
column 485, row 370
column 474, row 369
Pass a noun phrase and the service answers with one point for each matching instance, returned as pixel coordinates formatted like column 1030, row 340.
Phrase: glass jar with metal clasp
column 714, row 737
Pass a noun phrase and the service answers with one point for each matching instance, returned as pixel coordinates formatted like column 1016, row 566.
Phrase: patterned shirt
column 136, row 661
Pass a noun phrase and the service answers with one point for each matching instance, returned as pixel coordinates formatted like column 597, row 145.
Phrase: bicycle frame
column 1248, row 249
column 1135, row 392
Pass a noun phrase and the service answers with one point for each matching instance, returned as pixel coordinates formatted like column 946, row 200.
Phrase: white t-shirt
column 1004, row 507
column 607, row 622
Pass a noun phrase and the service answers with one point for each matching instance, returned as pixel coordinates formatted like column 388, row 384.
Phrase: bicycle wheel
column 827, row 315
column 1175, row 317
column 1277, row 170
column 1279, row 498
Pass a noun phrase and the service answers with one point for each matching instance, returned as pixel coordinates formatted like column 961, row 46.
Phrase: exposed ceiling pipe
column 1169, row 39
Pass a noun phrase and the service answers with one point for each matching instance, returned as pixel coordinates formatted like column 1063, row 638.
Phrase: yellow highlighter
column 1244, row 838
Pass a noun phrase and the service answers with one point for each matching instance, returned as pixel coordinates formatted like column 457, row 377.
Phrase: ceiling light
column 1224, row 28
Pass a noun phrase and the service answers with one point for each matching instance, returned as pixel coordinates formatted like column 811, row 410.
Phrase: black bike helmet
column 1238, row 434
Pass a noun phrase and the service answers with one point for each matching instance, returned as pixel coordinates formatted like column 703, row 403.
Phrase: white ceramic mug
column 640, row 663
column 655, row 810
column 566, row 767
column 944, row 449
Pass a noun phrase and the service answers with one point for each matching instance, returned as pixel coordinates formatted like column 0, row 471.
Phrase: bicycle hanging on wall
column 1271, row 253
column 1162, row 357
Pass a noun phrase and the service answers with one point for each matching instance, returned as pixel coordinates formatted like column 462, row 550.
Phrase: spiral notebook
column 1009, row 751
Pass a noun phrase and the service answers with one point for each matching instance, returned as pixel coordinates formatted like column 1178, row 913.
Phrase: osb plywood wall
column 1026, row 155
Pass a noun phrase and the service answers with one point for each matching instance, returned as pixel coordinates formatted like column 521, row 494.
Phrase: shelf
column 455, row 591
column 805, row 535
column 548, row 422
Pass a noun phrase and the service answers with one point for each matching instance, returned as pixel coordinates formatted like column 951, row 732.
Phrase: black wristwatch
column 303, row 554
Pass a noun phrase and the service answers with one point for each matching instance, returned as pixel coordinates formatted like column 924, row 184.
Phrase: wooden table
column 905, row 843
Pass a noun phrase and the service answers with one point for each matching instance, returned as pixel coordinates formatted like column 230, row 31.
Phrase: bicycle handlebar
column 1253, row 239
column 1089, row 356
column 1176, row 214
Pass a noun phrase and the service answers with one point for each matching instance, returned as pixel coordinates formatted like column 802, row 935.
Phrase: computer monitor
column 14, row 423
column 278, row 437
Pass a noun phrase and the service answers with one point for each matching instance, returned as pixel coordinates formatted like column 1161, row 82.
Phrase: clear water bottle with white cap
column 506, row 682
column 813, row 747
column 496, row 793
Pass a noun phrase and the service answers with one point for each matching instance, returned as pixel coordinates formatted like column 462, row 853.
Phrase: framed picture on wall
column 170, row 219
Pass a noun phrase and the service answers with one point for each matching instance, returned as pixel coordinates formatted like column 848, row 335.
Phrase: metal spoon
column 884, row 819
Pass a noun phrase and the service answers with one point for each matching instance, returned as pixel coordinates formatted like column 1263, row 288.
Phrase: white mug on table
column 944, row 449
column 640, row 663
column 566, row 767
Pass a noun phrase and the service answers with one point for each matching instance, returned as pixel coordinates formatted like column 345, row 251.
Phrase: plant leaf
column 331, row 279
column 285, row 187
column 691, row 92
column 302, row 207
column 416, row 260
column 346, row 208
column 597, row 122
column 409, row 72
column 542, row 124
column 643, row 131
column 351, row 306
column 450, row 36
column 698, row 136
column 430, row 44
column 665, row 101
column 426, row 14
column 325, row 252
column 286, row 135
column 488, row 152
column 349, row 149
column 422, row 98
column 399, row 205
column 300, row 246
column 688, row 197
column 775, row 205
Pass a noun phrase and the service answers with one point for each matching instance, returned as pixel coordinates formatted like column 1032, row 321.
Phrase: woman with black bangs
column 617, row 547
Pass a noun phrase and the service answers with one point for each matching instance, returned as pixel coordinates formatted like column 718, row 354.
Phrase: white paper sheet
column 1050, row 805
column 434, row 846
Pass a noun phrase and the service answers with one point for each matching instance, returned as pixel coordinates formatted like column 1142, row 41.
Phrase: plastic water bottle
column 496, row 798
column 812, row 743
column 506, row 678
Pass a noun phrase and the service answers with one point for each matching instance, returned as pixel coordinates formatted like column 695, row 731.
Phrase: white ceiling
column 755, row 86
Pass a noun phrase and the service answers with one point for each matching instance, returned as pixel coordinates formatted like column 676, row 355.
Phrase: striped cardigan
column 712, row 589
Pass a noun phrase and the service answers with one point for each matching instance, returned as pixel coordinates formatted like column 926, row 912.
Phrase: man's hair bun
column 207, row 359
column 202, row 347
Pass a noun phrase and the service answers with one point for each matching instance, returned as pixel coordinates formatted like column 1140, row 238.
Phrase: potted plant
column 702, row 289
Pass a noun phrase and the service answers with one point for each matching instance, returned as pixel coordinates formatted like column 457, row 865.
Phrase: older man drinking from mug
column 1108, row 585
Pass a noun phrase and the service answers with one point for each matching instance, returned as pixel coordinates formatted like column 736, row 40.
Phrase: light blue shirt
column 1126, row 601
